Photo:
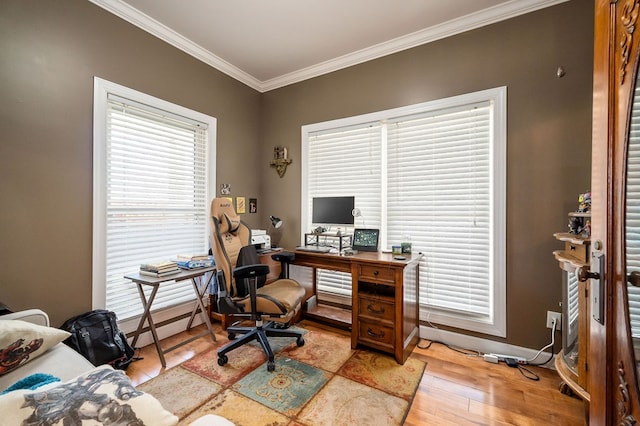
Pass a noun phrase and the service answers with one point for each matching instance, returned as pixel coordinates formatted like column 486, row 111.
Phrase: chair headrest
column 222, row 210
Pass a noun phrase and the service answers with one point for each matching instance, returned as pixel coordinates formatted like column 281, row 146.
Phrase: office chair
column 241, row 289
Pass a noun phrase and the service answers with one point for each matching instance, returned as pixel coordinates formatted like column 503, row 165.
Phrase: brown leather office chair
column 241, row 289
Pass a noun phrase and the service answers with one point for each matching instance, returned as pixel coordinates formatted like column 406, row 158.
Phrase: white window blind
column 439, row 173
column 572, row 299
column 432, row 173
column 571, row 293
column 344, row 162
column 152, row 180
column 633, row 211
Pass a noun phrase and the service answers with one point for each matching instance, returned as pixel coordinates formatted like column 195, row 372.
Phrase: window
column 632, row 230
column 433, row 173
column 153, row 175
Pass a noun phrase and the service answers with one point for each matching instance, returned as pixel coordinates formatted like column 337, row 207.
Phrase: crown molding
column 153, row 27
column 469, row 22
column 447, row 29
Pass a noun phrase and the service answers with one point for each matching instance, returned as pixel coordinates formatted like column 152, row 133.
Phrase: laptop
column 365, row 239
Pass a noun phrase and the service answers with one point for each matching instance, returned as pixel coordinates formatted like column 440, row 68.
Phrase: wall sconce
column 280, row 160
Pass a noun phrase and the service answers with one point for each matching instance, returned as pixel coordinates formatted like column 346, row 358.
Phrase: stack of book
column 191, row 261
column 160, row 269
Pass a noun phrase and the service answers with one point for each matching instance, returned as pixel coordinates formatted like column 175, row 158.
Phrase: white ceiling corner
column 457, row 16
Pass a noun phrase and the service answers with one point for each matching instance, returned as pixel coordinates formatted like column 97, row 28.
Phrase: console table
column 384, row 312
column 196, row 277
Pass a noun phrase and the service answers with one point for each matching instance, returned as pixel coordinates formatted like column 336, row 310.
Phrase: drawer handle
column 371, row 309
column 375, row 273
column 377, row 336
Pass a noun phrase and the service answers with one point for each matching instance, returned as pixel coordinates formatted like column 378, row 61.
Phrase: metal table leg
column 147, row 316
column 199, row 305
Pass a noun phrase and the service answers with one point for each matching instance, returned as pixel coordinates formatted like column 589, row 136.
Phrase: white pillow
column 22, row 341
column 212, row 420
column 101, row 396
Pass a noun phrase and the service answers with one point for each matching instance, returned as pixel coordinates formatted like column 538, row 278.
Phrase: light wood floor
column 455, row 389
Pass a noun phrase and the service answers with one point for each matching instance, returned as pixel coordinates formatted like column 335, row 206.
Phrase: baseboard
column 484, row 346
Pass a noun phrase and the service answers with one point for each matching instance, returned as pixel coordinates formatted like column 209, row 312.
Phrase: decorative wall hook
column 280, row 160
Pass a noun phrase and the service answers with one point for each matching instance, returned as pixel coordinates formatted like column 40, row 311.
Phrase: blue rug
column 287, row 389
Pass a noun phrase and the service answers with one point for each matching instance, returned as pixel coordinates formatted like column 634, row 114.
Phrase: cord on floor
column 463, row 351
column 511, row 362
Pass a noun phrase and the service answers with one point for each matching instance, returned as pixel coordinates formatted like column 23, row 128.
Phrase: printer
column 260, row 239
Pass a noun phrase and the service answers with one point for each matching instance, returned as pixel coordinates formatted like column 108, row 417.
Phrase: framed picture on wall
column 241, row 205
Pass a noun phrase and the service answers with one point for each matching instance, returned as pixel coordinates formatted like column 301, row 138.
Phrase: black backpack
column 95, row 335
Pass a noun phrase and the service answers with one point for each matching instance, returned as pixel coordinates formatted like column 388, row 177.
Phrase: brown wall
column 548, row 136
column 49, row 53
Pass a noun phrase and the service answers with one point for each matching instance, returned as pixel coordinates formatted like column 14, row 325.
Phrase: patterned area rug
column 323, row 382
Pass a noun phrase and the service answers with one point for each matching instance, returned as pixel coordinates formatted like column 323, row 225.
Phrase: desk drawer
column 376, row 274
column 376, row 307
column 375, row 334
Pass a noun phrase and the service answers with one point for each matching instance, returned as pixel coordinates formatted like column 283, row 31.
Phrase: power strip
column 520, row 360
column 491, row 358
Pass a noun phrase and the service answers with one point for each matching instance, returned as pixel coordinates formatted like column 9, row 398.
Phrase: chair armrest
column 285, row 258
column 34, row 316
column 250, row 271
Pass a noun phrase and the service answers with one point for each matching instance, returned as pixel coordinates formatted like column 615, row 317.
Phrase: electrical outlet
column 554, row 315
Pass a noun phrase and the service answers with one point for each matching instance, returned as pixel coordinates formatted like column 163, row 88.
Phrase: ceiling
column 268, row 44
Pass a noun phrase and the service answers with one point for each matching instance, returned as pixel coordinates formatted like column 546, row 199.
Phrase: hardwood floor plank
column 429, row 398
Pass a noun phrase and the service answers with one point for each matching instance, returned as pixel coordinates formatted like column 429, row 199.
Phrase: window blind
column 432, row 173
column 156, row 204
column 572, row 293
column 633, row 211
column 439, row 173
column 343, row 162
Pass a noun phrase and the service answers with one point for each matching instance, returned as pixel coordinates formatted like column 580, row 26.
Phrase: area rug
column 324, row 382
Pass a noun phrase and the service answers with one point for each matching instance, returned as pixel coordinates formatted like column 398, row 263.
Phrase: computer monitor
column 333, row 210
column 365, row 239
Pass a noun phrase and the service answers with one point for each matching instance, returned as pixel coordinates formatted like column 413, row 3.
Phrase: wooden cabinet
column 571, row 362
column 384, row 312
column 385, row 307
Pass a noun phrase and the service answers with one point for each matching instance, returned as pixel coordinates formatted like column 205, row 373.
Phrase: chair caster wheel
column 222, row 360
column 271, row 366
column 300, row 341
column 231, row 336
column 281, row 326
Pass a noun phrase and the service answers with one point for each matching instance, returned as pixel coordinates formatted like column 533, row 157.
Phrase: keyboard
column 315, row 249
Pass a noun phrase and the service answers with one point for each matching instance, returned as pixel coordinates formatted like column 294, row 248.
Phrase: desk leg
column 199, row 294
column 147, row 316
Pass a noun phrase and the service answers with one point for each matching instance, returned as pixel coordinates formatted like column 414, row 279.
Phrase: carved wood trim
column 628, row 18
column 624, row 401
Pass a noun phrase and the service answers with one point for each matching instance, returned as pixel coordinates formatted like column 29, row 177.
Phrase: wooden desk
column 196, row 276
column 384, row 312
